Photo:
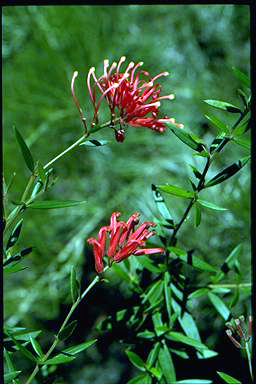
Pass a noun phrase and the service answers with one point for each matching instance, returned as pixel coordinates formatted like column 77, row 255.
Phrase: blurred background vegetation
column 42, row 46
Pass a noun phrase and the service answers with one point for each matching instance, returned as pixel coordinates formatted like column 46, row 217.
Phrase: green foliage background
column 42, row 46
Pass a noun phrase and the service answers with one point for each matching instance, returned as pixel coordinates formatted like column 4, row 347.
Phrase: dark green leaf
column 52, row 204
column 196, row 261
column 197, row 174
column 228, row 172
column 223, row 105
column 59, row 359
column 11, row 259
column 242, row 77
column 20, row 333
column 25, row 151
column 228, row 379
column 243, row 126
column 176, row 191
column 180, row 353
column 198, row 293
column 210, row 205
column 154, row 292
column 74, row 285
column 8, row 359
column 219, row 305
column 136, row 360
column 140, row 379
column 8, row 377
column 67, row 331
column 95, row 143
column 243, row 142
column 166, row 364
column 121, row 271
column 222, row 127
column 153, row 355
column 191, row 140
column 146, row 334
column 14, row 235
column 168, row 295
column 36, row 346
column 159, row 327
column 80, row 347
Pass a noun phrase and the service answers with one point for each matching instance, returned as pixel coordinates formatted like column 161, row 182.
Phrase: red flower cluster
column 135, row 96
column 124, row 240
column 238, row 332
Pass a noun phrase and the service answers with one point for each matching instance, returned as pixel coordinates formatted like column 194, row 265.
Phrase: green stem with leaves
column 57, row 339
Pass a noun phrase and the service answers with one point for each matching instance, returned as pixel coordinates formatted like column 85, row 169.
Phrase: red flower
column 136, row 96
column 238, row 332
column 124, row 240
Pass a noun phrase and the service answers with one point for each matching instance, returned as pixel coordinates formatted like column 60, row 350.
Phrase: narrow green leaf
column 210, row 205
column 146, row 334
column 156, row 372
column 242, row 77
column 159, row 327
column 187, row 138
column 182, row 354
column 176, row 191
column 121, row 271
column 8, row 359
column 52, row 204
column 166, row 364
column 168, row 295
column 14, row 235
column 198, row 293
column 196, row 261
column 160, row 203
column 227, row 172
column 243, row 126
column 36, row 346
column 41, row 171
column 147, row 263
column 223, row 105
column 154, row 292
column 95, row 143
column 197, row 174
column 219, row 305
column 80, row 347
column 194, row 381
column 228, row 379
column 8, row 377
column 140, row 379
column 73, row 285
column 153, row 355
column 21, row 348
column 68, row 330
column 214, row 120
column 244, row 142
column 229, row 263
column 25, row 151
column 59, row 359
column 177, row 336
column 198, row 215
column 20, row 333
column 136, row 360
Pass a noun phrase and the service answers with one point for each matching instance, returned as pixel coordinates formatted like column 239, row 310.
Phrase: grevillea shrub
column 148, row 256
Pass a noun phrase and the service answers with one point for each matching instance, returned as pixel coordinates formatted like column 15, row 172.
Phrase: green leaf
column 166, row 364
column 59, row 359
column 194, row 381
column 219, row 305
column 41, row 171
column 231, row 262
column 8, row 377
column 177, row 336
column 146, row 334
column 228, row 379
column 140, row 379
column 196, row 261
column 154, row 292
column 95, row 143
column 223, row 105
column 25, row 151
column 168, row 295
column 36, row 346
column 176, row 191
column 227, row 172
column 198, row 293
column 80, row 347
column 156, row 372
column 191, row 140
column 198, row 214
column 153, row 355
column 243, row 142
column 8, row 359
column 20, row 333
column 159, row 327
column 147, row 263
column 136, row 360
column 243, row 126
column 222, row 127
column 21, row 348
column 68, row 330
column 160, row 203
column 210, row 205
column 121, row 271
column 242, row 77
column 52, row 204
column 14, row 235
column 182, row 354
column 74, row 285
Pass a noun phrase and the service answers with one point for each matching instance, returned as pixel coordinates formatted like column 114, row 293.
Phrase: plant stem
column 242, row 285
column 74, row 145
column 56, row 341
